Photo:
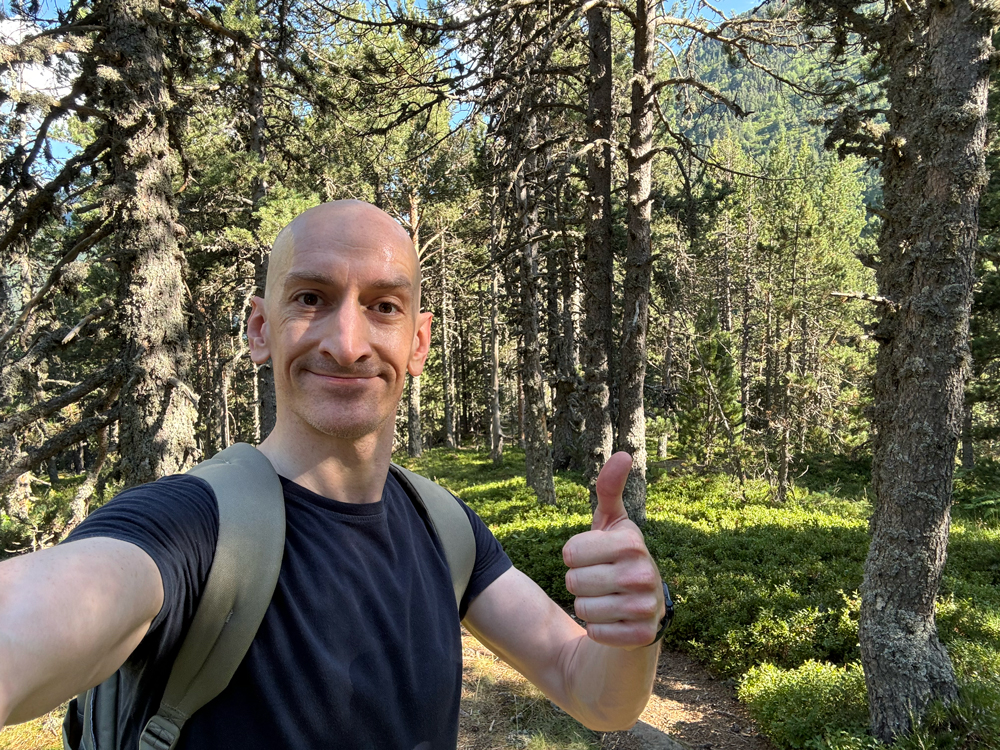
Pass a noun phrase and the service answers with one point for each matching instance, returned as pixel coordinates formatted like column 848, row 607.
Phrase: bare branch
column 865, row 297
column 40, row 411
column 57, row 444
column 104, row 309
column 94, row 232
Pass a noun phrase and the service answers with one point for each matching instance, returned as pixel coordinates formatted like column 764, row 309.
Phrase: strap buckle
column 160, row 734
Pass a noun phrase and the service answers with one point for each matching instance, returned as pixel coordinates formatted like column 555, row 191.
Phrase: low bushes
column 798, row 706
column 768, row 595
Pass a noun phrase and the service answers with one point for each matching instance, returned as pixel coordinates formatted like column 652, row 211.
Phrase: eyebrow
column 392, row 284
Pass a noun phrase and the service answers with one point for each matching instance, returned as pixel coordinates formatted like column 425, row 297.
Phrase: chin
column 346, row 429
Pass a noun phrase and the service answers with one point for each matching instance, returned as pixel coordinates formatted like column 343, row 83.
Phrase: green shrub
column 796, row 707
column 971, row 723
column 975, row 492
column 756, row 583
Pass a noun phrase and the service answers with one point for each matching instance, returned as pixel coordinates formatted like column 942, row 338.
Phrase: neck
column 348, row 470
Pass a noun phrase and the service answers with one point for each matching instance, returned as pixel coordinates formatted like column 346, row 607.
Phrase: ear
column 257, row 332
column 421, row 344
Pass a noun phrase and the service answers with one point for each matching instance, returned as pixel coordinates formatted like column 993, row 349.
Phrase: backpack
column 238, row 591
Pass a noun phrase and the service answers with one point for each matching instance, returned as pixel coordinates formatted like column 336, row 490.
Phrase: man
column 360, row 646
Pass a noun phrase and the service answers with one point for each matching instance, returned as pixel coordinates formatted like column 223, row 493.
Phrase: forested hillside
column 742, row 248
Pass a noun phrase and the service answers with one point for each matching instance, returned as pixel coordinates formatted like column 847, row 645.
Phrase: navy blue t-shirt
column 360, row 647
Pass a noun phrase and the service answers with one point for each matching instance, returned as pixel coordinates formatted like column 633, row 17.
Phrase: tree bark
column 638, row 263
column 157, row 415
column 537, row 451
column 415, row 437
column 496, row 427
column 446, row 373
column 750, row 413
column 598, row 260
column 267, row 407
column 564, row 361
column 933, row 174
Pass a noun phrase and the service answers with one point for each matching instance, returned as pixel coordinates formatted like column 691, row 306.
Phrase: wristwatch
column 667, row 616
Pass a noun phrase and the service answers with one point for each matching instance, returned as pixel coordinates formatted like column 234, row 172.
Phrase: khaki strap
column 237, row 592
column 450, row 523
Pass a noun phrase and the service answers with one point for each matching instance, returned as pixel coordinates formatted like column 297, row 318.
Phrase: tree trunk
column 415, row 438
column 968, row 450
column 267, row 407
column 638, row 263
column 537, row 452
column 933, row 173
column 446, row 374
column 80, row 505
column 598, row 261
column 563, row 351
column 785, row 396
column 224, row 383
column 496, row 427
column 746, row 329
column 157, row 415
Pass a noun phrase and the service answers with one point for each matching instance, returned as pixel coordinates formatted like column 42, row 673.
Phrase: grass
column 44, row 733
column 500, row 709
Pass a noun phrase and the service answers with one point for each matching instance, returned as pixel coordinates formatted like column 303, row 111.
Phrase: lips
column 323, row 370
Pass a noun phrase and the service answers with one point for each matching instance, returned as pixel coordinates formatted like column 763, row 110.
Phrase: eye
column 308, row 299
column 386, row 308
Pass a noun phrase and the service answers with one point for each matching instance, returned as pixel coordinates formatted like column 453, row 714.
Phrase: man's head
column 340, row 319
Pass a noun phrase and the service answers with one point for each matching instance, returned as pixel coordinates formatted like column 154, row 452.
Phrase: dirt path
column 693, row 708
column 689, row 709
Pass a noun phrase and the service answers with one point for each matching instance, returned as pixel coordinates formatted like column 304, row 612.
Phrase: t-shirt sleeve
column 175, row 521
column 491, row 560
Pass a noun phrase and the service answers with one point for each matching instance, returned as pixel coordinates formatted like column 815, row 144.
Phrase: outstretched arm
column 602, row 676
column 69, row 617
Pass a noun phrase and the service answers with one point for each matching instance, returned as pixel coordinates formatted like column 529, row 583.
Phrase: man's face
column 341, row 321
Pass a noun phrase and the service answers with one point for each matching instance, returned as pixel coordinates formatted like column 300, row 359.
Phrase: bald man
column 360, row 647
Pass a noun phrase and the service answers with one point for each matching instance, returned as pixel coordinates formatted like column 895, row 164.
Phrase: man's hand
column 615, row 580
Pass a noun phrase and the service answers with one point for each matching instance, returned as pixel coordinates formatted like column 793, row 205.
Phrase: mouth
column 343, row 378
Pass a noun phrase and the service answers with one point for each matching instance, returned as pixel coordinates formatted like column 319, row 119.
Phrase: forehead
column 345, row 243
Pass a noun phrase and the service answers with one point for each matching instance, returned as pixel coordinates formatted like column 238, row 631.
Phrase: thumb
column 610, row 484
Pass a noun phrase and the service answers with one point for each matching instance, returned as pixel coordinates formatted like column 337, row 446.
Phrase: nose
column 346, row 335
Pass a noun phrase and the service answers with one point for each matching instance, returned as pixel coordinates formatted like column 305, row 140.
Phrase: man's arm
column 602, row 676
column 69, row 617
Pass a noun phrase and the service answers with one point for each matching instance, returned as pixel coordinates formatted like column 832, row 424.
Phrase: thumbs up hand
column 614, row 578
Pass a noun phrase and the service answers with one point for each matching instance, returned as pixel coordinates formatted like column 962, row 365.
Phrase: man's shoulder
column 171, row 488
column 178, row 500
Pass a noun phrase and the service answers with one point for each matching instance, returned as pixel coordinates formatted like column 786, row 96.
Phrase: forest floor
column 689, row 710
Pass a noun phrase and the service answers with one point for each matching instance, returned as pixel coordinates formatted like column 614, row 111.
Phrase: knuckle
column 638, row 578
column 633, row 544
column 650, row 607
column 641, row 608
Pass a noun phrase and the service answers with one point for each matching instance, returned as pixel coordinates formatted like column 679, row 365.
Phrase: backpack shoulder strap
column 450, row 523
column 238, row 590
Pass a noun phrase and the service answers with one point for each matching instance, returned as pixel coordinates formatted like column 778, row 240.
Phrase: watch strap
column 668, row 615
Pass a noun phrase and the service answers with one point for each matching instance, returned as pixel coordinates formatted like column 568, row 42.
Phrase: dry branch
column 55, row 445
column 40, row 411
